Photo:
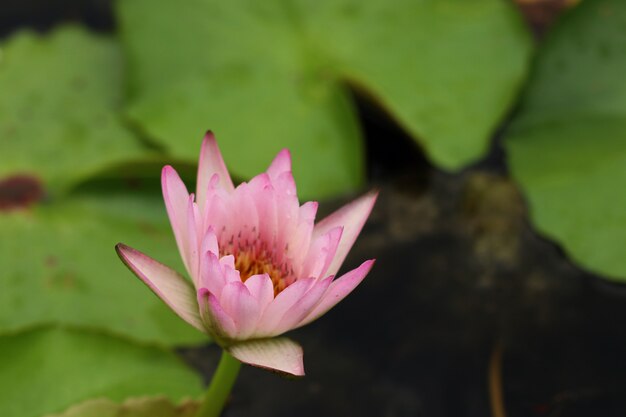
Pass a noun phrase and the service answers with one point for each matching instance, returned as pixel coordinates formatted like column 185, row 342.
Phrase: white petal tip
column 281, row 355
column 166, row 283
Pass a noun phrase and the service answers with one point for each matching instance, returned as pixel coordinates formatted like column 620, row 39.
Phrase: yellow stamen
column 249, row 264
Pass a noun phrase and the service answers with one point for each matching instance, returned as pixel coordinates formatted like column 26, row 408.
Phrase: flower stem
column 220, row 386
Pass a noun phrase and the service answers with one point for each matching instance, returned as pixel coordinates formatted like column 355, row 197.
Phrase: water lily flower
column 259, row 265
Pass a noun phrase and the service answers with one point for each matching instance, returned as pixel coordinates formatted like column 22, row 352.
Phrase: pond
column 481, row 301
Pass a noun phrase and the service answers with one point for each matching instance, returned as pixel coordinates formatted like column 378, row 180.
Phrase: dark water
column 466, row 305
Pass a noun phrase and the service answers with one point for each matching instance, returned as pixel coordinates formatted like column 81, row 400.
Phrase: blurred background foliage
column 567, row 144
column 88, row 118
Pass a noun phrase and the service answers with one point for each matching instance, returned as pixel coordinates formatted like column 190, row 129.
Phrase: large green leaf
column 567, row 147
column 57, row 106
column 272, row 74
column 136, row 407
column 46, row 370
column 59, row 266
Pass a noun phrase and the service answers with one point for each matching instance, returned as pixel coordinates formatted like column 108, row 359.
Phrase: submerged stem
column 496, row 395
column 221, row 384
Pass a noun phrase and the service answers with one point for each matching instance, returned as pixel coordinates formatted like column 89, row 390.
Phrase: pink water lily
column 259, row 265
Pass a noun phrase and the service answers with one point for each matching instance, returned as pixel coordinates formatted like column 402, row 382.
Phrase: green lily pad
column 46, row 370
column 59, row 266
column 273, row 74
column 135, row 407
column 567, row 147
column 60, row 94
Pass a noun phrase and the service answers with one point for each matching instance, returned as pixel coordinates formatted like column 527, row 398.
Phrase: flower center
column 252, row 257
column 249, row 263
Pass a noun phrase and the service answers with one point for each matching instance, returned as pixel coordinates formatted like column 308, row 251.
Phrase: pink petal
column 278, row 354
column 216, row 273
column 215, row 213
column 338, row 290
column 242, row 307
column 244, row 218
column 228, row 261
column 287, row 210
column 265, row 201
column 301, row 240
column 192, row 236
column 279, row 306
column 211, row 162
column 166, row 283
column 220, row 324
column 286, row 184
column 303, row 307
column 177, row 204
column 322, row 253
column 262, row 289
column 209, row 243
column 212, row 274
column 352, row 217
column 308, row 211
column 280, row 164
column 260, row 182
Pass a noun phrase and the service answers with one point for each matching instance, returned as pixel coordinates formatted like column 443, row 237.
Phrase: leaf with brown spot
column 134, row 407
column 567, row 145
column 446, row 71
column 59, row 265
column 58, row 108
column 47, row 369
